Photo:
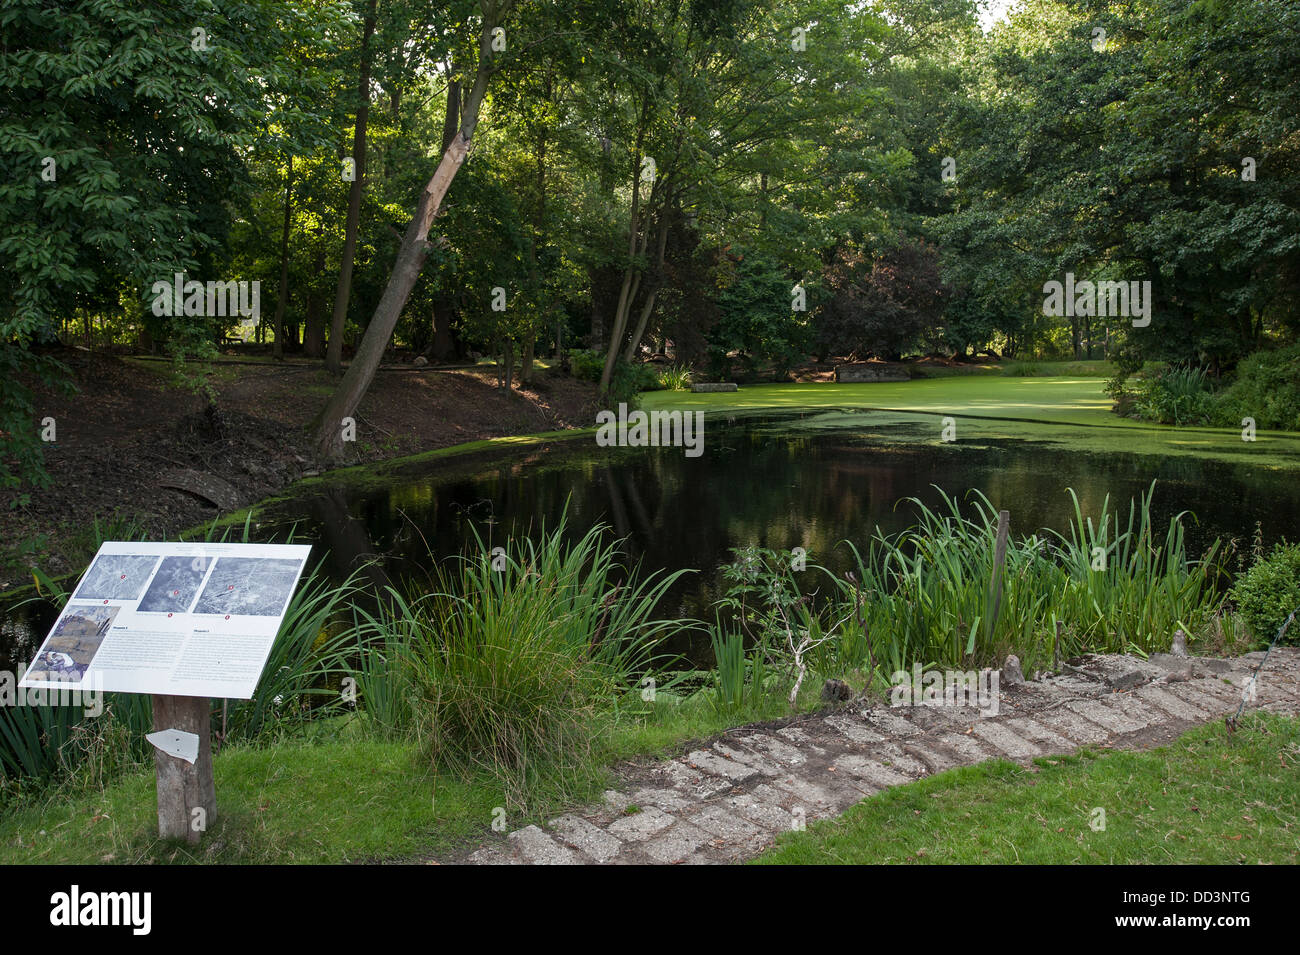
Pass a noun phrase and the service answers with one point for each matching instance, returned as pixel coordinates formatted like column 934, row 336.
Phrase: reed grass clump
column 512, row 661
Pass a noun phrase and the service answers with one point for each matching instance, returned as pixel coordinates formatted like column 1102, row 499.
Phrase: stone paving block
column 588, row 839
column 768, row 815
column 1011, row 743
column 490, row 856
column 668, row 799
column 783, row 752
column 853, row 730
column 640, row 825
column 763, row 764
column 968, row 748
column 815, row 799
column 676, row 844
column 801, row 739
column 878, row 775
column 1215, row 706
column 890, row 724
column 1040, row 734
column 725, row 823
column 616, row 800
column 1270, row 686
column 1171, row 704
column 1111, row 717
column 693, row 782
column 1072, row 725
column 893, row 756
column 1217, row 689
column 536, row 847
column 937, row 758
column 719, row 766
column 1134, row 707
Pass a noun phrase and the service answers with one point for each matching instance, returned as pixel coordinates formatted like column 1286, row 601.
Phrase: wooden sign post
column 187, row 795
column 185, row 624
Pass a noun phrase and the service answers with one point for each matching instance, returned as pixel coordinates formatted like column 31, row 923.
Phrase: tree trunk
column 410, row 255
column 526, row 364
column 313, row 333
column 334, row 356
column 277, row 347
column 648, row 308
column 630, row 276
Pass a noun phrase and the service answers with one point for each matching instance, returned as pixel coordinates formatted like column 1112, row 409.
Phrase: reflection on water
column 758, row 483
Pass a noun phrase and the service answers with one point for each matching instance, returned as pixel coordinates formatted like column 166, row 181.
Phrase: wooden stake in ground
column 187, row 796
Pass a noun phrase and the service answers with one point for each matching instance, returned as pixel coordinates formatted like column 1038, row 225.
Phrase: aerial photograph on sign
column 116, row 577
column 174, row 586
column 67, row 652
column 254, row 586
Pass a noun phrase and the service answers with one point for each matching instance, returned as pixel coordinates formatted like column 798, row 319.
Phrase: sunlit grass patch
column 1207, row 798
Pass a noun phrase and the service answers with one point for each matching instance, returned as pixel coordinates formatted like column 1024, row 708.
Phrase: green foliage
column 1267, row 389
column 676, row 378
column 630, row 379
column 1267, row 593
column 923, row 595
column 754, row 317
column 122, row 148
column 1179, row 396
column 739, row 678
column 512, row 671
column 586, row 364
column 1023, row 369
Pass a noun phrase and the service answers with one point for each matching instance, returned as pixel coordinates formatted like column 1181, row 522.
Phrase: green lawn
column 336, row 795
column 1061, row 400
column 1206, row 799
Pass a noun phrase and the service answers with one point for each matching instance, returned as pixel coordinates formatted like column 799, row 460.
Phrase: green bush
column 627, row 380
column 1268, row 592
column 586, row 363
column 511, row 665
column 676, row 378
column 1178, row 396
column 1267, row 388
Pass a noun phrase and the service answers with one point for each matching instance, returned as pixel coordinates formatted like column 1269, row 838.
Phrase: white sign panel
column 178, row 619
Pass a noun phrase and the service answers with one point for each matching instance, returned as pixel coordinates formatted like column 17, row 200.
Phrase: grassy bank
column 338, row 792
column 1207, row 799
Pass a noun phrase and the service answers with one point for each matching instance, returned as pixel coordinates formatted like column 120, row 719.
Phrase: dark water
column 763, row 482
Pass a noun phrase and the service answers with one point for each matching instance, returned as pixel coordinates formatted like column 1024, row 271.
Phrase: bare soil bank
column 129, row 426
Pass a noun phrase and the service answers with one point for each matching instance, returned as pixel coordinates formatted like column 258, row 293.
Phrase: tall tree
column 414, row 248
column 334, row 350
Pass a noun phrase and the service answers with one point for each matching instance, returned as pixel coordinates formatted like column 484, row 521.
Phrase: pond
column 809, row 480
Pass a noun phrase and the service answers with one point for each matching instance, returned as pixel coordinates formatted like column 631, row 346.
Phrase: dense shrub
column 626, row 381
column 676, row 378
column 586, row 364
column 511, row 664
column 1175, row 396
column 1267, row 388
column 1268, row 592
